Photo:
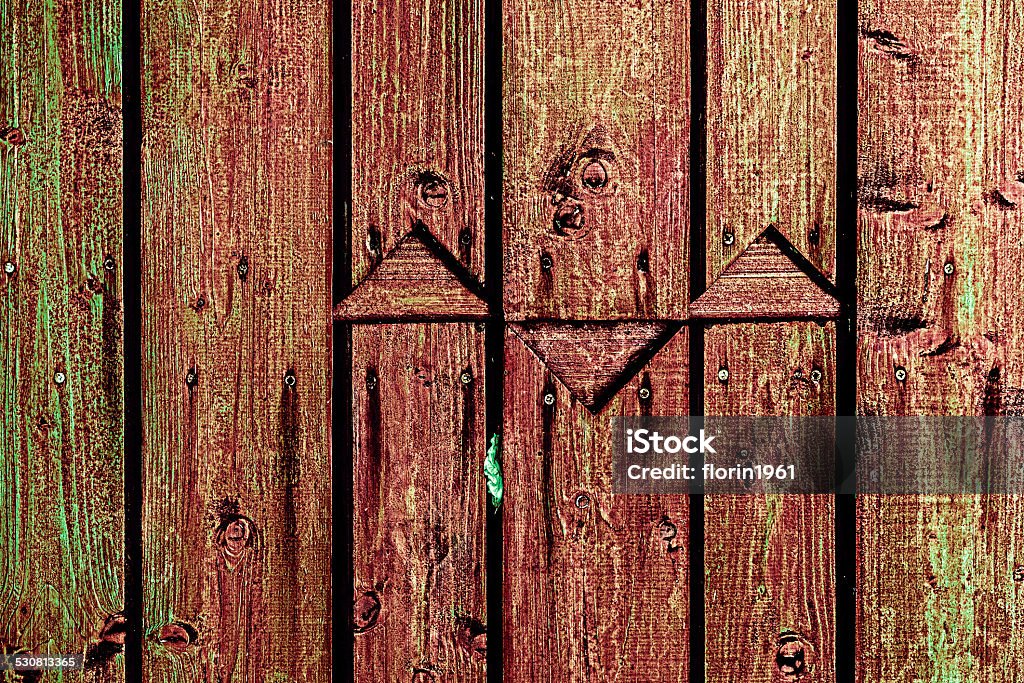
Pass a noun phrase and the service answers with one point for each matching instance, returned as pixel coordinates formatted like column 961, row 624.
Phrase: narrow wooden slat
column 236, row 340
column 61, row 360
column 417, row 128
column 596, row 586
column 596, row 126
column 770, row 559
column 771, row 130
column 418, row 411
column 940, row 325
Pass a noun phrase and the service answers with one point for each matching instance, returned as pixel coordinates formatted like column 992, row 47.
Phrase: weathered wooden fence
column 547, row 214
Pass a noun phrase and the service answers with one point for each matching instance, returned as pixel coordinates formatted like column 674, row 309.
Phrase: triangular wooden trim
column 593, row 360
column 770, row 279
column 413, row 282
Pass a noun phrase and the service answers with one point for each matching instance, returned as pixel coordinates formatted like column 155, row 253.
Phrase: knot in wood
column 471, row 635
column 114, row 629
column 433, row 189
column 594, row 176
column 13, row 136
column 176, row 636
column 791, row 656
column 365, row 612
column 568, row 220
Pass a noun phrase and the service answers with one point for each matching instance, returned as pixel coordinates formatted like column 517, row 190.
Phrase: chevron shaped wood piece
column 769, row 280
column 593, row 359
column 416, row 280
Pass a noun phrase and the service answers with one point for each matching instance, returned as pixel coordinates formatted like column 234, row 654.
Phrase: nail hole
column 814, row 235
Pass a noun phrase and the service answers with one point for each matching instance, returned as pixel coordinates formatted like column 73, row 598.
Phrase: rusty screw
column 595, row 176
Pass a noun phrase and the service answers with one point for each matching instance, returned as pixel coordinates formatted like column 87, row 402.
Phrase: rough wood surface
column 596, row 126
column 418, row 412
column 764, row 282
column 61, row 361
column 588, row 358
column 770, row 559
column 412, row 282
column 771, row 127
column 417, row 128
column 941, row 183
column 596, row 586
column 237, row 340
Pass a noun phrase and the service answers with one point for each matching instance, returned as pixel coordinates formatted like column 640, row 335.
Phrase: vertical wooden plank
column 941, row 187
column 770, row 559
column 596, row 585
column 771, row 130
column 418, row 412
column 61, row 360
column 237, row 340
column 596, row 123
column 417, row 128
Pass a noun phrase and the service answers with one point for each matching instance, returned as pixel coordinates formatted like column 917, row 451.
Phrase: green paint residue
column 492, row 472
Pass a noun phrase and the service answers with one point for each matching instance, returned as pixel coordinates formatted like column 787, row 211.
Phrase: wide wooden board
column 769, row 594
column 417, row 128
column 771, row 128
column 420, row 502
column 596, row 134
column 596, row 585
column 941, row 223
column 61, row 359
column 236, row 378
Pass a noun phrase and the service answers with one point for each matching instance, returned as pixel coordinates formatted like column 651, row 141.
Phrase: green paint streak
column 492, row 472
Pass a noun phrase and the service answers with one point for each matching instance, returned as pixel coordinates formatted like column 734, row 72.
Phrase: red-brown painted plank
column 419, row 496
column 596, row 585
column 769, row 559
column 596, row 126
column 941, row 176
column 236, row 381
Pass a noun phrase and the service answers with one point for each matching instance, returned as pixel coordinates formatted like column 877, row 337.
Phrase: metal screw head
column 728, row 238
column 59, row 377
column 815, row 375
column 191, row 377
column 582, row 501
column 9, row 267
column 546, row 262
column 1018, row 573
column 466, row 378
column 109, row 263
column 289, row 380
column 948, row 269
column 744, row 454
column 723, row 375
column 901, row 374
column 644, row 393
column 549, row 399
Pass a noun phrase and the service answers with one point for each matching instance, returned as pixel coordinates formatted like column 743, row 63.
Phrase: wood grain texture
column 417, row 128
column 770, row 559
column 236, row 340
column 596, row 126
column 419, row 419
column 589, row 358
column 941, row 190
column 771, row 127
column 61, row 360
column 596, row 586
column 764, row 283
column 411, row 282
